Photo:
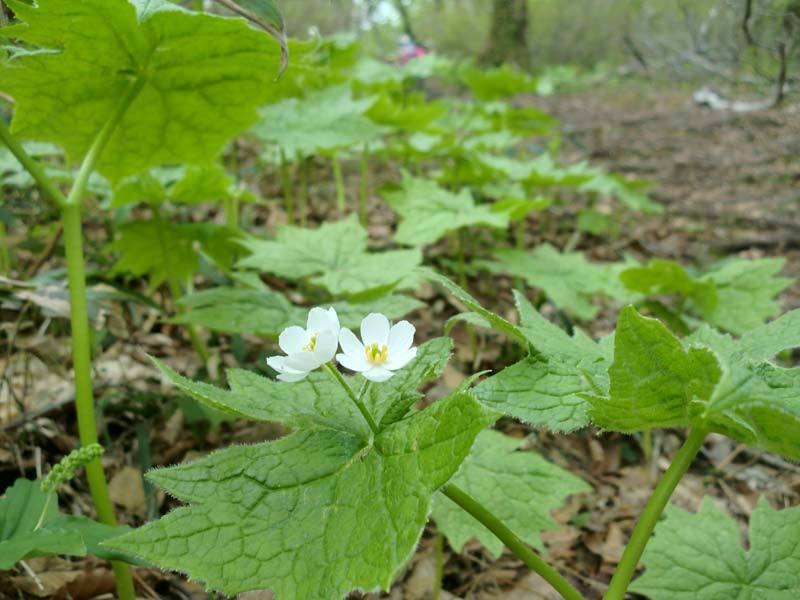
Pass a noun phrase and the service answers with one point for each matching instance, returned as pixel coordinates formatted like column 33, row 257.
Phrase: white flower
column 381, row 350
column 307, row 349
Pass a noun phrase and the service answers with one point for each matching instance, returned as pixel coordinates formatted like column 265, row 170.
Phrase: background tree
column 508, row 36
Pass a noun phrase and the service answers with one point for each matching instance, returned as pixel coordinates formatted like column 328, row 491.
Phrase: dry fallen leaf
column 127, row 490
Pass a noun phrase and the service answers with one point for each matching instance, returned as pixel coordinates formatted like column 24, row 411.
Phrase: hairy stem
column 46, row 184
column 334, row 372
column 512, row 542
column 652, row 513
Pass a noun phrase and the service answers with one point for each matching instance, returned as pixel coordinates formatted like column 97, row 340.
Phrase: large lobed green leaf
column 521, row 487
column 335, row 256
column 204, row 78
column 709, row 381
column 326, row 120
column 428, row 212
column 700, row 556
column 735, row 295
column 548, row 387
column 315, row 514
column 568, row 279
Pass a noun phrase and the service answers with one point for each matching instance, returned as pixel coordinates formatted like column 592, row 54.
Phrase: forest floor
column 729, row 183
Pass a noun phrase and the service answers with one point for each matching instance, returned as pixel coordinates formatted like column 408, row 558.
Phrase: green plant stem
column 334, row 372
column 79, row 321
column 363, row 194
column 341, row 198
column 652, row 513
column 46, row 184
column 512, row 542
column 5, row 253
column 45, row 508
column 288, row 192
column 82, row 364
column 175, row 290
column 302, row 192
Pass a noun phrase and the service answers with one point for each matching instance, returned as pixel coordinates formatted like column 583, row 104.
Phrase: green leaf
column 568, row 279
column 428, row 212
column 496, row 321
column 267, row 313
column 317, row 402
column 204, row 77
column 746, row 291
column 548, row 388
column 326, row 120
column 710, row 382
column 655, row 382
column 164, row 251
column 531, row 486
column 313, row 515
column 334, row 255
column 735, row 295
column 701, row 557
column 414, row 113
column 20, row 510
column 502, row 82
column 431, row 359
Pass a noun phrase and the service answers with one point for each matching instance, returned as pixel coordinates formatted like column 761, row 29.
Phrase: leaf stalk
column 652, row 513
column 532, row 560
column 334, row 372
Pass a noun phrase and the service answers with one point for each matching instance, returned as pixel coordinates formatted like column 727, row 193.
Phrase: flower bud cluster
column 69, row 466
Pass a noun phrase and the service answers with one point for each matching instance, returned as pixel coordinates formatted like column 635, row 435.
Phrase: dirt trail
column 730, row 182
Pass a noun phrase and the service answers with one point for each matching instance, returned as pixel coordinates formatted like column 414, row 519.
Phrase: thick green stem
column 652, row 513
column 82, row 364
column 47, row 185
column 511, row 541
column 79, row 320
column 334, row 372
column 288, row 193
column 363, row 195
column 339, row 180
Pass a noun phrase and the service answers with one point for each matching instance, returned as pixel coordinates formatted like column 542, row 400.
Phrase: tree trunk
column 508, row 37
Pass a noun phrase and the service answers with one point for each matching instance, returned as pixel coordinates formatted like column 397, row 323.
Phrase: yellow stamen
column 311, row 344
column 376, row 355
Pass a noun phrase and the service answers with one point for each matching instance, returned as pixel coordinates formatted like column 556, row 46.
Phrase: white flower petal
column 302, row 361
column 375, row 329
column 294, row 376
column 276, row 362
column 326, row 346
column 377, row 374
column 349, row 343
column 319, row 320
column 354, row 362
column 401, row 336
column 400, row 359
column 333, row 321
column 293, row 339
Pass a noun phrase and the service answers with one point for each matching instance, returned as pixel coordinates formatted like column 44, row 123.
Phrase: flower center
column 312, row 343
column 375, row 354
